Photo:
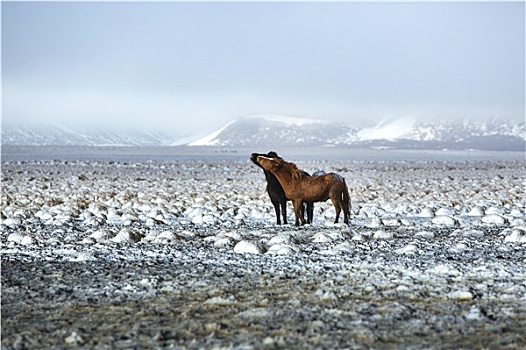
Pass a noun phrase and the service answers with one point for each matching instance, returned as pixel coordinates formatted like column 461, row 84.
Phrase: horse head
column 269, row 163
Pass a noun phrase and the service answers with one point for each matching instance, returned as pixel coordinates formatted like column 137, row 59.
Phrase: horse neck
column 269, row 176
column 284, row 177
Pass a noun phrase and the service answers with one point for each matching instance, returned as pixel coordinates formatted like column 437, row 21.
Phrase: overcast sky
column 191, row 67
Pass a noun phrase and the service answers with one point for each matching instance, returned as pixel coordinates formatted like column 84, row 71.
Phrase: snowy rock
column 326, row 295
column 254, row 314
column 357, row 237
column 22, row 213
column 128, row 219
column 376, row 222
column 195, row 214
column 223, row 242
column 407, row 250
column 447, row 221
column 445, row 212
column 209, row 219
column 12, row 222
column 461, row 295
column 165, row 237
column 516, row 235
column 100, row 235
column 367, row 234
column 250, row 247
column 285, row 238
column 474, row 314
column 74, row 339
column 427, row 213
column 322, row 237
column 458, row 248
column 257, row 214
column 494, row 220
column 150, row 222
column 44, row 215
column 476, row 211
column 220, row 301
column 20, row 238
column 446, row 270
column 342, row 248
column 126, row 236
column 152, row 234
column 391, row 222
column 113, row 218
column 474, row 233
column 383, row 235
column 197, row 219
column 99, row 210
column 517, row 213
column 282, row 249
column 186, row 234
column 425, row 234
column 518, row 222
column 495, row 211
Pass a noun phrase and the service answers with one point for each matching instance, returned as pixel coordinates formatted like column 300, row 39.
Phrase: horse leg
column 297, row 211
column 346, row 200
column 346, row 211
column 310, row 212
column 276, row 209
column 284, row 211
column 337, row 207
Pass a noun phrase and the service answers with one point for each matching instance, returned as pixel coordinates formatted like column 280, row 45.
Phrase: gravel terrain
column 186, row 255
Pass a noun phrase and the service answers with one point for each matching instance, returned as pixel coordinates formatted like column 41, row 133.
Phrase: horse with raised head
column 277, row 194
column 300, row 188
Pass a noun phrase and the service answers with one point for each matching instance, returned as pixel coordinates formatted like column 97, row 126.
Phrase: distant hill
column 272, row 131
column 54, row 135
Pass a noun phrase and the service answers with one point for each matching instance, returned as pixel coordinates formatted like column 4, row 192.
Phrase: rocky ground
column 123, row 255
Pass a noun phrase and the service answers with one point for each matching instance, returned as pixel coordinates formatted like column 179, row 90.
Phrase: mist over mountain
column 270, row 131
column 57, row 135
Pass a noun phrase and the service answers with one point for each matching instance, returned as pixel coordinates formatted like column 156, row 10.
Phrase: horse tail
column 346, row 197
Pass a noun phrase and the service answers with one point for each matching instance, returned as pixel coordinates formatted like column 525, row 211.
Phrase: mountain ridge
column 60, row 135
column 404, row 133
column 284, row 131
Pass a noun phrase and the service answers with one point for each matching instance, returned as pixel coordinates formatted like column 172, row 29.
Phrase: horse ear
column 273, row 160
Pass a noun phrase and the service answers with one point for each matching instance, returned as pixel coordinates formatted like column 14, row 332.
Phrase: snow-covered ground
column 187, row 254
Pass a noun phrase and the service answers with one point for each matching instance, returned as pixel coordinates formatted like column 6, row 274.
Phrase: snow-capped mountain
column 44, row 135
column 270, row 131
column 274, row 130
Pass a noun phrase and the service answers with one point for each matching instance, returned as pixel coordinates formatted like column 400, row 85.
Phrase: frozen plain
column 185, row 254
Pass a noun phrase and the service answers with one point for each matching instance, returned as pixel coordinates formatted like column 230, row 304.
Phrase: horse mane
column 296, row 173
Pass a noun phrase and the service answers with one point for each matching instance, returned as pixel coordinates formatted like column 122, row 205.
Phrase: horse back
column 325, row 179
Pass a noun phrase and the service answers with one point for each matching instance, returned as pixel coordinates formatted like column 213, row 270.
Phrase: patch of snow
column 209, row 140
column 286, row 119
column 388, row 130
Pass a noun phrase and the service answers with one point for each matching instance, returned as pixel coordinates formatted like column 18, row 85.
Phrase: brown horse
column 300, row 188
column 276, row 193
